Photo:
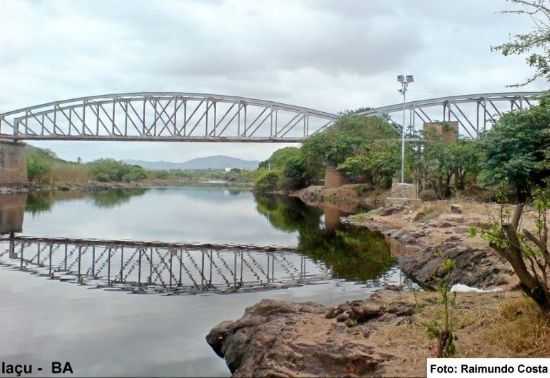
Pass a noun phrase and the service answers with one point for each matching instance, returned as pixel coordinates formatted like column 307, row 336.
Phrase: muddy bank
column 384, row 335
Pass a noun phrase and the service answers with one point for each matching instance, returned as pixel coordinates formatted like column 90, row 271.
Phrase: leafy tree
column 294, row 175
column 350, row 135
column 267, row 181
column 465, row 161
column 434, row 170
column 106, row 170
column 37, row 168
column 527, row 252
column 376, row 164
column 279, row 158
column 517, row 155
column 535, row 43
column 517, row 150
column 443, row 166
column 39, row 163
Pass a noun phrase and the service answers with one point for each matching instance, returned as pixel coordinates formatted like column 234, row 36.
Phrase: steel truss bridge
column 164, row 116
column 475, row 113
column 155, row 267
column 197, row 117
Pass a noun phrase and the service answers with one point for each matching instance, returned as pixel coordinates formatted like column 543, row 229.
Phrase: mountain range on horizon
column 203, row 163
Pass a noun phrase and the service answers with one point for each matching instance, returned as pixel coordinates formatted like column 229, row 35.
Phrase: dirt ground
column 504, row 324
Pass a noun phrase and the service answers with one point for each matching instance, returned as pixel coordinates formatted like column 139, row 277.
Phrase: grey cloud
column 326, row 54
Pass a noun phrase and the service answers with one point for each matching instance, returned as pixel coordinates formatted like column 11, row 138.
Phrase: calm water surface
column 112, row 332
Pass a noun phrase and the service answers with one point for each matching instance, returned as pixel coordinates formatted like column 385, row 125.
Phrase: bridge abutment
column 13, row 165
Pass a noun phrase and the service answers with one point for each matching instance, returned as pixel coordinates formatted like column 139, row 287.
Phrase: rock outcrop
column 474, row 267
column 422, row 244
column 280, row 339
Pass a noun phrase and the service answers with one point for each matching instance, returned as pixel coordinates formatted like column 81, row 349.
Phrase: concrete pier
column 13, row 166
column 12, row 210
column 334, row 178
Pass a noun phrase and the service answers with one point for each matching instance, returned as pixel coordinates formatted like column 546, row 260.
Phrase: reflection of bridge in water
column 154, row 267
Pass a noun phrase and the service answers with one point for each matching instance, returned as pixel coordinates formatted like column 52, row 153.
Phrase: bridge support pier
column 13, row 165
column 334, row 178
column 12, row 211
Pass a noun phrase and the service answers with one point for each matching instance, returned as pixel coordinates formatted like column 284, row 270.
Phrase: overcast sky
column 327, row 54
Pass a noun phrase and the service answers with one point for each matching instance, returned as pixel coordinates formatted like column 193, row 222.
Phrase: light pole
column 405, row 80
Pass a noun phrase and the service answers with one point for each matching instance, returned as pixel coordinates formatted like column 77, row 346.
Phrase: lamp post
column 405, row 80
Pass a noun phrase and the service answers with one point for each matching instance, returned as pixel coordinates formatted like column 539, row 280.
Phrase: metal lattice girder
column 161, row 267
column 164, row 116
column 475, row 113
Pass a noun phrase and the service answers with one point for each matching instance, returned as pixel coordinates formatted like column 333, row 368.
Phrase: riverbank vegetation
column 46, row 170
column 510, row 158
column 508, row 163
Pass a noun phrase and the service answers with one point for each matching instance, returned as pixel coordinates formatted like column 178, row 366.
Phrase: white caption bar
column 487, row 367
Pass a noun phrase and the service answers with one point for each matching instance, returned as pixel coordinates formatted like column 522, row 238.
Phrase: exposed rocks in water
column 422, row 238
column 348, row 198
column 280, row 339
column 473, row 266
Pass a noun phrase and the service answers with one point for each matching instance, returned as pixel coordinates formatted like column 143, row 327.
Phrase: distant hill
column 210, row 162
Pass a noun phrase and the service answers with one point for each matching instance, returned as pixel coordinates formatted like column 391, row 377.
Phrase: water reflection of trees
column 351, row 253
column 116, row 197
column 41, row 202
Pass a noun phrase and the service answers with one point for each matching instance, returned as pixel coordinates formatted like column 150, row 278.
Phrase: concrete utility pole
column 405, row 80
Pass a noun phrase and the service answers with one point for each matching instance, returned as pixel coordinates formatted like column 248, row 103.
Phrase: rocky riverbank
column 423, row 235
column 384, row 335
column 347, row 198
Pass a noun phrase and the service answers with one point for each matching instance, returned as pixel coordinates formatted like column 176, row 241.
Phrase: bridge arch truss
column 164, row 116
column 474, row 113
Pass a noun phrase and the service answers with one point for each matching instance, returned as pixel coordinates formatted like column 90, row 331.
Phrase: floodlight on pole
column 404, row 80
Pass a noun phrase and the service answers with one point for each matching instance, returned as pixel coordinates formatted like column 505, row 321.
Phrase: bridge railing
column 165, row 116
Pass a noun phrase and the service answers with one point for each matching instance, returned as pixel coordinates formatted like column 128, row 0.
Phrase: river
column 93, row 320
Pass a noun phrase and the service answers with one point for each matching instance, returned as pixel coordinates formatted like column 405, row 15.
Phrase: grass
column 69, row 173
column 504, row 324
column 521, row 329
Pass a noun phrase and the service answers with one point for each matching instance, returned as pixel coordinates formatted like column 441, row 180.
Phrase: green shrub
column 294, row 174
column 106, row 170
column 351, row 134
column 38, row 168
column 517, row 150
column 375, row 165
column 280, row 158
column 267, row 181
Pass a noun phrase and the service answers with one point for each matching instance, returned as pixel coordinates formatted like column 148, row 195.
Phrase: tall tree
column 535, row 43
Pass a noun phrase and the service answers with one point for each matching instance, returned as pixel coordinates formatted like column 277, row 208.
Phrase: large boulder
column 280, row 339
column 476, row 267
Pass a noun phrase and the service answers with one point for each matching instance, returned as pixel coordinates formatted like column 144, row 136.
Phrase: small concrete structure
column 334, row 178
column 13, row 166
column 447, row 131
column 401, row 194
